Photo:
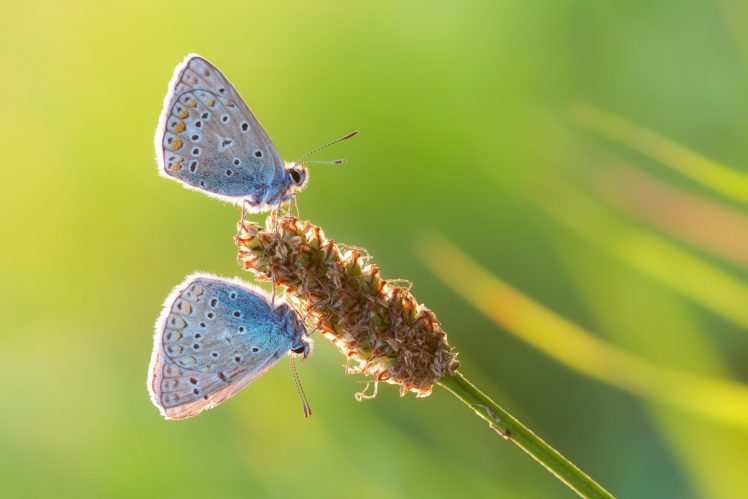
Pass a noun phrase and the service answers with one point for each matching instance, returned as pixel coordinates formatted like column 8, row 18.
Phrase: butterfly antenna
column 300, row 390
column 335, row 162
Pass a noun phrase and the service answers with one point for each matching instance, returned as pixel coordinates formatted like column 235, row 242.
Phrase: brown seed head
column 376, row 324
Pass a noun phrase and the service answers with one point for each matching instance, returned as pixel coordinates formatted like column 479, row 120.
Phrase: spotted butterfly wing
column 215, row 336
column 209, row 140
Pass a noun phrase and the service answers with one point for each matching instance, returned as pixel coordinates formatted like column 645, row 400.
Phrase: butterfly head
column 294, row 325
column 302, row 348
column 296, row 174
column 296, row 170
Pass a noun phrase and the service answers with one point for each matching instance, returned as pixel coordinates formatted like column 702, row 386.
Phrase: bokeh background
column 591, row 156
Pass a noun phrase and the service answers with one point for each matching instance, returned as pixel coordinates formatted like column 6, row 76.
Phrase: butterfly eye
column 299, row 350
column 295, row 177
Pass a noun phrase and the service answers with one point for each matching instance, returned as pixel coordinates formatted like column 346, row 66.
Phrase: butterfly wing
column 214, row 337
column 209, row 140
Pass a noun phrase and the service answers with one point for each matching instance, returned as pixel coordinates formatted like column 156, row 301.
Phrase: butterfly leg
column 243, row 217
column 295, row 200
column 277, row 219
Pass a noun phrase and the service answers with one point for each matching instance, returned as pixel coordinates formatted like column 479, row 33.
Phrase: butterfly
column 208, row 140
column 213, row 337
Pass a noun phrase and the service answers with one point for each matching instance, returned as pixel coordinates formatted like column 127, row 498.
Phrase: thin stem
column 511, row 429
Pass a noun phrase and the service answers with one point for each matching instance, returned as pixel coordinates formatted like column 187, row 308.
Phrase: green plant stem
column 511, row 429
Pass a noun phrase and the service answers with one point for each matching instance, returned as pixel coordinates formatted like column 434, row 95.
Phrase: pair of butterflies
column 216, row 335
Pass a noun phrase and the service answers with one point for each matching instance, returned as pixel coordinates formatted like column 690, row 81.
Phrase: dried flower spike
column 376, row 324
column 380, row 327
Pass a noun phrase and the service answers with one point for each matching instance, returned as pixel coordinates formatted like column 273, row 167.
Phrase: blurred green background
column 478, row 122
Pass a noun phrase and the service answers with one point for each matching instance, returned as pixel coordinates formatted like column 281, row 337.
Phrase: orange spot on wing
column 176, row 166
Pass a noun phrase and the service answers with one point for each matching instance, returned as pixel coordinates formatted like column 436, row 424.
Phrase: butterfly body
column 208, row 140
column 214, row 336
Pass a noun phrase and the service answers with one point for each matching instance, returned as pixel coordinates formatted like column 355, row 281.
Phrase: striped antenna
column 336, row 162
column 300, row 390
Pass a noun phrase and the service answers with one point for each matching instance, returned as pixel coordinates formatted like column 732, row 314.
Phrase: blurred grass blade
column 571, row 345
column 716, row 176
column 716, row 228
column 637, row 311
column 682, row 271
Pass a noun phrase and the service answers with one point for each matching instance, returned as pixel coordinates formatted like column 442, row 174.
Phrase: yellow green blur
column 615, row 334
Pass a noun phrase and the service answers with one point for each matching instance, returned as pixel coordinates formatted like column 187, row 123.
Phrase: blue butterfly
column 214, row 336
column 209, row 140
